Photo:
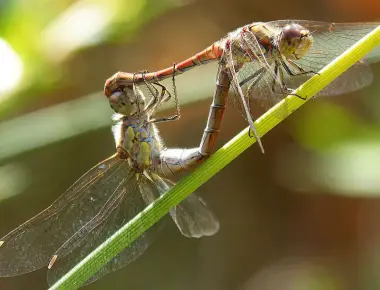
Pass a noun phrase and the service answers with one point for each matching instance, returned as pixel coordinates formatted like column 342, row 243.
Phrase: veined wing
column 31, row 245
column 355, row 78
column 329, row 41
column 130, row 197
column 192, row 216
column 332, row 39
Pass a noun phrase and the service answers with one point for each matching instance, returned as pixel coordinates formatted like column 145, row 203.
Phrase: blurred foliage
column 326, row 126
column 31, row 28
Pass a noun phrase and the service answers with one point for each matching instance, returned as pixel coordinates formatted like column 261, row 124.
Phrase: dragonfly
column 109, row 195
column 263, row 62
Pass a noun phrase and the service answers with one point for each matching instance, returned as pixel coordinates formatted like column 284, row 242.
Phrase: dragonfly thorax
column 137, row 140
column 294, row 41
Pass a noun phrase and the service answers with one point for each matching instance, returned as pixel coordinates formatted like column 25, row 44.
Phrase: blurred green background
column 306, row 215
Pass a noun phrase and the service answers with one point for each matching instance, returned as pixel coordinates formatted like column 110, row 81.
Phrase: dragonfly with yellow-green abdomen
column 108, row 196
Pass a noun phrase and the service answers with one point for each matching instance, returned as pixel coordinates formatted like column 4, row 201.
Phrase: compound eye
column 291, row 32
column 294, row 41
column 116, row 98
column 120, row 103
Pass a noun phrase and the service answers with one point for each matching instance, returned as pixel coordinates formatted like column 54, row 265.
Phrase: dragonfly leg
column 155, row 100
column 165, row 94
column 173, row 161
column 236, row 84
column 290, row 92
column 256, row 77
column 285, row 90
column 301, row 70
column 274, row 80
column 164, row 91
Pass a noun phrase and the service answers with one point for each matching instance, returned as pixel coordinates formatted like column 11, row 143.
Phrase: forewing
column 128, row 199
column 356, row 77
column 31, row 245
column 329, row 41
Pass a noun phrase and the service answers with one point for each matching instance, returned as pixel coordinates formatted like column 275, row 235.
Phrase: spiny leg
column 293, row 74
column 176, row 101
column 255, row 53
column 274, row 80
column 257, row 75
column 284, row 89
column 136, row 93
column 177, row 115
column 302, row 71
column 154, row 101
column 165, row 94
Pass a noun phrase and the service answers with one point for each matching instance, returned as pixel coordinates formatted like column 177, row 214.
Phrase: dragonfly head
column 294, row 41
column 127, row 102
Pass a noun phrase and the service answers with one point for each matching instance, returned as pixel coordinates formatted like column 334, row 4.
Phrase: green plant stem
column 132, row 230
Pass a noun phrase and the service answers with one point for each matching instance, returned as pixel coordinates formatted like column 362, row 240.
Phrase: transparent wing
column 356, row 77
column 192, row 216
column 252, row 75
column 130, row 196
column 329, row 41
column 31, row 245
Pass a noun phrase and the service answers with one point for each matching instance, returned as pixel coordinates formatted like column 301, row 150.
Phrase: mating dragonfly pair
column 259, row 61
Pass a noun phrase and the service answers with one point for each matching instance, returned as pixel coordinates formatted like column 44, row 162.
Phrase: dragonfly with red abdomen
column 266, row 62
